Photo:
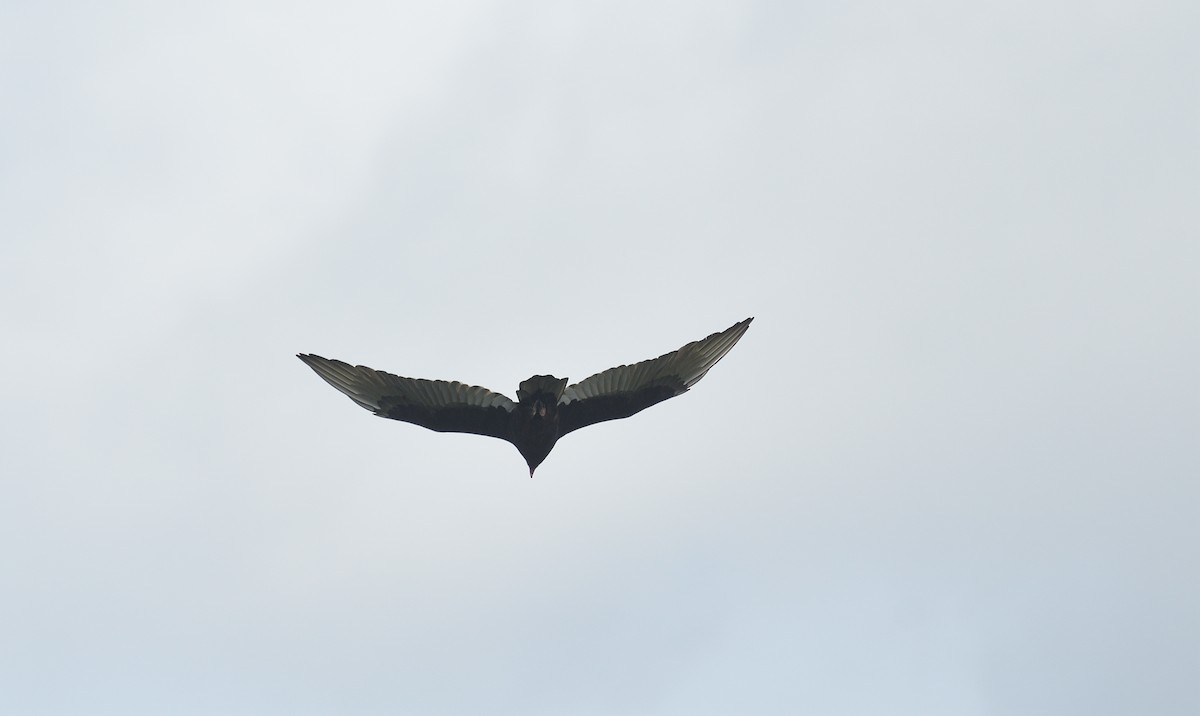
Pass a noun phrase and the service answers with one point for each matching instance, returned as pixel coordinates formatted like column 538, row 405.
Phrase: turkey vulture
column 546, row 408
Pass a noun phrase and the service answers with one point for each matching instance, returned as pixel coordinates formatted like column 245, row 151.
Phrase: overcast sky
column 951, row 468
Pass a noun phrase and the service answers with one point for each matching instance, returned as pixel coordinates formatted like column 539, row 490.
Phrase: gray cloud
column 949, row 470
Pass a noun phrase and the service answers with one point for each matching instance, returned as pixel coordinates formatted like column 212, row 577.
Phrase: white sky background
column 951, row 469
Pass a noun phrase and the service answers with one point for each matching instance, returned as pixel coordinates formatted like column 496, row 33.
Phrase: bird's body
column 546, row 408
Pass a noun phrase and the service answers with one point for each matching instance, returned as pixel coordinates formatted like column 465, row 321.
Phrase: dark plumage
column 546, row 408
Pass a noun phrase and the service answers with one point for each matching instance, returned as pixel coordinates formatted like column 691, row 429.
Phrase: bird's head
column 534, row 455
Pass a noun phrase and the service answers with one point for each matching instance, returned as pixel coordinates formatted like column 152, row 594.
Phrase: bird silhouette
column 546, row 408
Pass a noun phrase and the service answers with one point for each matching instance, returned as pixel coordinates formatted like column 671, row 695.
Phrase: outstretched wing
column 622, row 391
column 447, row 407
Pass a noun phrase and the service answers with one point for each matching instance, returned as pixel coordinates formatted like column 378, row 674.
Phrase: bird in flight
column 546, row 408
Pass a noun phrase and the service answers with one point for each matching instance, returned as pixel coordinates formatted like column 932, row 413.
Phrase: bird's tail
column 541, row 384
